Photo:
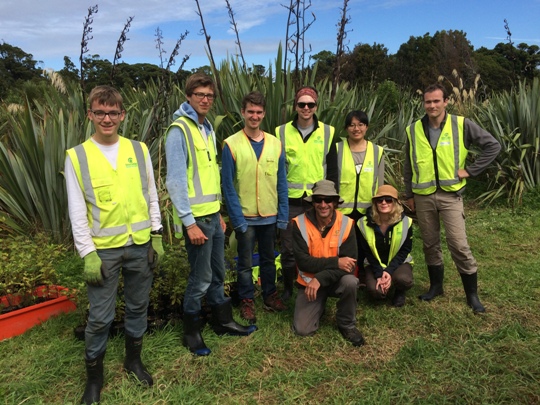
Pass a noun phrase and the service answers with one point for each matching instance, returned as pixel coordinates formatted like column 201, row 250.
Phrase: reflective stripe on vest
column 369, row 179
column 451, row 155
column 395, row 243
column 345, row 224
column 99, row 229
column 300, row 176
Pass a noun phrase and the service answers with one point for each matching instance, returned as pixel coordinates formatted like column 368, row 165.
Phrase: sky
column 52, row 29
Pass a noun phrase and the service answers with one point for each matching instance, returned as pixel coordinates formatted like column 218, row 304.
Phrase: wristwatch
column 158, row 232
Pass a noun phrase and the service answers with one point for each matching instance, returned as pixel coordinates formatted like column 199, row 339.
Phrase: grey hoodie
column 176, row 151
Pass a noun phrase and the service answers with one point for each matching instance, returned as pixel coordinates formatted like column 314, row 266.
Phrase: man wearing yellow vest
column 193, row 182
column 310, row 153
column 255, row 191
column 435, row 176
column 325, row 250
column 114, row 212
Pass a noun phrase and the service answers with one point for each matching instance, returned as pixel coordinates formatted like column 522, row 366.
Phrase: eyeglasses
column 201, row 96
column 309, row 105
column 361, row 125
column 100, row 115
column 319, row 200
column 388, row 200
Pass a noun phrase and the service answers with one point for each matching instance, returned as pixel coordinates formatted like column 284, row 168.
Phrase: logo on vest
column 445, row 139
column 130, row 163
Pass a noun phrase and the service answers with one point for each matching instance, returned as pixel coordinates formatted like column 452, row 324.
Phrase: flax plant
column 514, row 119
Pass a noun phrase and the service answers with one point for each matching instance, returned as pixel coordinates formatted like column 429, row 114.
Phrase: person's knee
column 303, row 330
column 349, row 282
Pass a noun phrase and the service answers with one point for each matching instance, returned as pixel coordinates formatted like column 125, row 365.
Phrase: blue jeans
column 265, row 236
column 207, row 262
column 132, row 261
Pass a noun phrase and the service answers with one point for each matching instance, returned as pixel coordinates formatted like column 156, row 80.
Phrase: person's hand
column 410, row 204
column 222, row 223
column 347, row 264
column 463, row 174
column 384, row 282
column 156, row 248
column 92, row 269
column 195, row 235
column 311, row 289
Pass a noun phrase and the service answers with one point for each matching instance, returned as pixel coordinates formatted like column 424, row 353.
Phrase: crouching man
column 325, row 250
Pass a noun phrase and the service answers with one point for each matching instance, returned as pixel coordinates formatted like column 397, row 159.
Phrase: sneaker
column 274, row 303
column 353, row 335
column 247, row 310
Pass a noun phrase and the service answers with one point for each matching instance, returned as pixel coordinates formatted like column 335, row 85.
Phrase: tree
column 413, row 61
column 366, row 64
column 16, row 68
column 325, row 61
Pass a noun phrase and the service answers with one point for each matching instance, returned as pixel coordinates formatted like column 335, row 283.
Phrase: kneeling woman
column 386, row 240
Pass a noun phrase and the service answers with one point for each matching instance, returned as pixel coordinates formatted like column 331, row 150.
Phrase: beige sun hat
column 324, row 188
column 386, row 190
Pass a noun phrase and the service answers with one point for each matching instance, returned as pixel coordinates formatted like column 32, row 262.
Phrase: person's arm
column 332, row 162
column 228, row 173
column 283, row 193
column 177, row 185
column 489, row 147
column 402, row 254
column 77, row 211
column 380, row 171
column 155, row 213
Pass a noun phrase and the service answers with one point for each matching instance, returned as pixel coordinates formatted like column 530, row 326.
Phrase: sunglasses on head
column 388, row 200
column 303, row 105
column 318, row 199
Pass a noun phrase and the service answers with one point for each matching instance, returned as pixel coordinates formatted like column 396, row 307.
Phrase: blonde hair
column 395, row 215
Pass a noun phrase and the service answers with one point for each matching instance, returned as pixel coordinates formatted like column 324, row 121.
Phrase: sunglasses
column 319, row 200
column 388, row 200
column 309, row 105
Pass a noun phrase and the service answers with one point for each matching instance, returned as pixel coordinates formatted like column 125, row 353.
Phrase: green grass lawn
column 423, row 353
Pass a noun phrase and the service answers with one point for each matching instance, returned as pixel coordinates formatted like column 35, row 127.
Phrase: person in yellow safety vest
column 310, row 153
column 386, row 237
column 193, row 182
column 116, row 223
column 435, row 175
column 325, row 249
column 360, row 173
column 255, row 191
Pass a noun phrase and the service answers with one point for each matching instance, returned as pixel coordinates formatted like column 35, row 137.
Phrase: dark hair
column 105, row 95
column 359, row 115
column 437, row 86
column 198, row 80
column 255, row 98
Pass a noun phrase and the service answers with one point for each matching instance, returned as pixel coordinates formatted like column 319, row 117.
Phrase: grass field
column 424, row 353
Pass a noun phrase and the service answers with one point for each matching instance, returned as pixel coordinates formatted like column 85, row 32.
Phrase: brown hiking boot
column 247, row 310
column 273, row 303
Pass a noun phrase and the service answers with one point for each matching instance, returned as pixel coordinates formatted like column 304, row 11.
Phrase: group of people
column 339, row 225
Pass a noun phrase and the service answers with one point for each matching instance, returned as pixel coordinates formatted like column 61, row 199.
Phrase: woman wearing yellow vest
column 386, row 238
column 360, row 172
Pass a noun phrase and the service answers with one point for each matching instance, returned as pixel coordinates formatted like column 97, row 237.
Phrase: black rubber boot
column 193, row 339
column 288, row 283
column 470, row 285
column 224, row 324
column 133, row 363
column 94, row 380
column 436, row 277
column 399, row 298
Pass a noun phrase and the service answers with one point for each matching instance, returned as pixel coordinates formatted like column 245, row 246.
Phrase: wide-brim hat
column 386, row 191
column 324, row 188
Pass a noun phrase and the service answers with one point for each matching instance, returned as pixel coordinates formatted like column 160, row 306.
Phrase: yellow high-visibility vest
column 117, row 201
column 440, row 167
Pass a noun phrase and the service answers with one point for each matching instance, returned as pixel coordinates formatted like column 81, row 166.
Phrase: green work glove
column 156, row 251
column 92, row 269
